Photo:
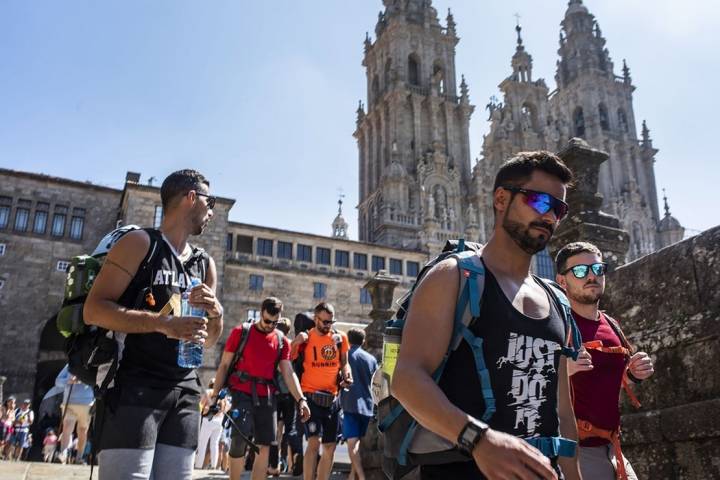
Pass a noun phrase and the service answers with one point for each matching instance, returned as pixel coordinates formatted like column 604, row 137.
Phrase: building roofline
column 154, row 189
column 322, row 237
column 50, row 178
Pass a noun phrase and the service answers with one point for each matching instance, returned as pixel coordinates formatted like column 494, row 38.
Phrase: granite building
column 45, row 221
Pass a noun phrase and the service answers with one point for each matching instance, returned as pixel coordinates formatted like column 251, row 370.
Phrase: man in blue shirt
column 357, row 401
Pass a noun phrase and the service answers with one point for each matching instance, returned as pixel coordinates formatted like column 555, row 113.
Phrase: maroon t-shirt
column 596, row 393
column 258, row 358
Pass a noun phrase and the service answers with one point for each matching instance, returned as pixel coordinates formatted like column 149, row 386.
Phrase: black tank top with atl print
column 522, row 355
column 150, row 359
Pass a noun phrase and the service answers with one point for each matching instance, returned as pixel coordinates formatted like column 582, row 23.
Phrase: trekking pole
column 247, row 440
column 215, row 408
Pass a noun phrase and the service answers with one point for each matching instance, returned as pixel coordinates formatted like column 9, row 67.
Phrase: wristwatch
column 470, row 435
column 300, row 400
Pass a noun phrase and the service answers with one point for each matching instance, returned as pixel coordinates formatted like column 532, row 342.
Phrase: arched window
column 528, row 118
column 603, row 114
column 622, row 120
column 438, row 78
column 375, row 89
column 579, row 122
column 413, row 70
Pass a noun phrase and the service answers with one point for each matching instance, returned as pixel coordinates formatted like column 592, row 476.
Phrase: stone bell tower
column 413, row 140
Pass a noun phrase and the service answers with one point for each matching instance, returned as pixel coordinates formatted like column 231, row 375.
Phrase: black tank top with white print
column 150, row 359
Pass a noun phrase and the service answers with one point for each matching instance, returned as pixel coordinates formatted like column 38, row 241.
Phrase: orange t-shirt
column 322, row 361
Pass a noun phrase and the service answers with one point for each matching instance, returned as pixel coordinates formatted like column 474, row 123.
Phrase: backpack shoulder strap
column 574, row 340
column 619, row 332
column 281, row 346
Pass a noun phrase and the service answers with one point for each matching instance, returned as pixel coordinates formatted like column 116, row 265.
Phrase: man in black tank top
column 522, row 332
column 149, row 423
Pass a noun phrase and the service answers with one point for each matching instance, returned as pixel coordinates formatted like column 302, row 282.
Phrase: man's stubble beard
column 585, row 298
column 521, row 236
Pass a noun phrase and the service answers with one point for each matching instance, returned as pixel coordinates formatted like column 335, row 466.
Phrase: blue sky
column 261, row 96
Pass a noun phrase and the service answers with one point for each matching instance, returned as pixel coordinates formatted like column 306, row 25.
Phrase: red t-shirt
column 596, row 393
column 258, row 359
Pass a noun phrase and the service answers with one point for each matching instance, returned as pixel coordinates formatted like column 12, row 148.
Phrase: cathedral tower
column 413, row 140
column 593, row 103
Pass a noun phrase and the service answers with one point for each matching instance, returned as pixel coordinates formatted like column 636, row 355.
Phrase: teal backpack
column 406, row 443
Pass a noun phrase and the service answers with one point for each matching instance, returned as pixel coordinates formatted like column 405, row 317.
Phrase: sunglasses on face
column 210, row 199
column 581, row 271
column 327, row 322
column 270, row 322
column 542, row 202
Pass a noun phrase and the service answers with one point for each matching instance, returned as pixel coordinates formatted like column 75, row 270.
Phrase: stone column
column 585, row 221
column 381, row 287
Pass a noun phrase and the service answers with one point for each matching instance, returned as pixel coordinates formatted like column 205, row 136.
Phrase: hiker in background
column 78, row 398
column 606, row 364
column 357, row 402
column 252, row 356
column 322, row 353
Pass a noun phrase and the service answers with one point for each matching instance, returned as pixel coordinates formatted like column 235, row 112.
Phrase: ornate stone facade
column 413, row 140
column 590, row 102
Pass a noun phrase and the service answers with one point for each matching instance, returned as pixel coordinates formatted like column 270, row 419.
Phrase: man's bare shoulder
column 131, row 244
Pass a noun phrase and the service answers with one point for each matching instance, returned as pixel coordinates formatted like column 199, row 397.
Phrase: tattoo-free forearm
column 215, row 328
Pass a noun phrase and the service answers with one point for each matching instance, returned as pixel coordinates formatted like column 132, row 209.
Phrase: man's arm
column 203, row 296
column 425, row 340
column 101, row 307
column 221, row 374
column 568, row 427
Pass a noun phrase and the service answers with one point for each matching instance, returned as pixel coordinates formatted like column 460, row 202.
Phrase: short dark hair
column 303, row 322
column 324, row 307
column 572, row 249
column 356, row 336
column 519, row 168
column 271, row 305
column 180, row 183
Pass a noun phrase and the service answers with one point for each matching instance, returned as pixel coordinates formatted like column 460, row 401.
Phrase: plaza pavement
column 55, row 471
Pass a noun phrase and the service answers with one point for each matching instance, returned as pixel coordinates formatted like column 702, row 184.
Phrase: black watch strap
column 470, row 435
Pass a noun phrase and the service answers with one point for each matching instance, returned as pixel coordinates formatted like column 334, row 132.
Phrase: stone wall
column 669, row 305
column 32, row 284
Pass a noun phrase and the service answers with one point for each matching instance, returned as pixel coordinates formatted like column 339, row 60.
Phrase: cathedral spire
column 667, row 208
column 450, row 21
column 521, row 60
column 646, row 140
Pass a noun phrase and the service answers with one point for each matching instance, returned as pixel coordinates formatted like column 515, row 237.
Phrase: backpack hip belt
column 244, row 377
column 322, row 398
column 588, row 430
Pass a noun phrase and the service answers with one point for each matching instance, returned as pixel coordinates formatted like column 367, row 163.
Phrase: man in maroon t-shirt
column 601, row 368
column 252, row 385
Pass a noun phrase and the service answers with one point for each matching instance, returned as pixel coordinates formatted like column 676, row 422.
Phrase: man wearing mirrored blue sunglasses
column 606, row 363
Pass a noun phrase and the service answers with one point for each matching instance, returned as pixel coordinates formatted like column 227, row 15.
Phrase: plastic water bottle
column 190, row 353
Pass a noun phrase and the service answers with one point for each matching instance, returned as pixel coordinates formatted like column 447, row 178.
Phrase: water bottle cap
column 234, row 413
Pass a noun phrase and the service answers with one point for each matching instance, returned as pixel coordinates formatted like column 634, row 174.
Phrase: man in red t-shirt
column 605, row 362
column 253, row 388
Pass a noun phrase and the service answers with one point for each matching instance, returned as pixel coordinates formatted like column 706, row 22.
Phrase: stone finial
column 518, row 29
column 464, row 90
column 367, row 44
column 450, row 23
column 646, row 140
column 586, row 222
column 360, row 113
column 667, row 208
column 626, row 72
